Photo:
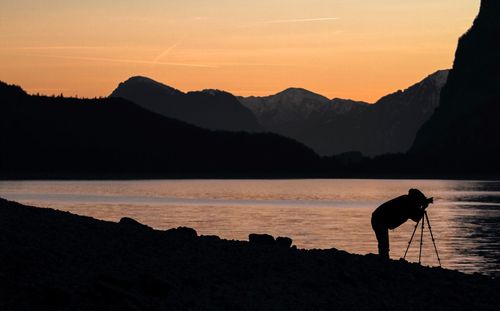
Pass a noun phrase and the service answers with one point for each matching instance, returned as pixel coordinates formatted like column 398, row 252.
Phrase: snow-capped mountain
column 295, row 104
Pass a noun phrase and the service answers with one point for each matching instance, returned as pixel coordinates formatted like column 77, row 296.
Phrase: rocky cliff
column 463, row 134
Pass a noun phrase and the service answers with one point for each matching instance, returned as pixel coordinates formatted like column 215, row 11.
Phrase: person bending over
column 396, row 212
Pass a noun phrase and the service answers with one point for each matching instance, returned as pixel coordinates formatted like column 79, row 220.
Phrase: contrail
column 131, row 61
column 165, row 53
column 303, row 20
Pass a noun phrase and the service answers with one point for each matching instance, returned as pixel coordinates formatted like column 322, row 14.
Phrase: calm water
column 465, row 218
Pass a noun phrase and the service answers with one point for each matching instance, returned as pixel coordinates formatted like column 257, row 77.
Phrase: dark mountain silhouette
column 462, row 136
column 295, row 105
column 112, row 137
column 48, row 136
column 338, row 126
column 210, row 109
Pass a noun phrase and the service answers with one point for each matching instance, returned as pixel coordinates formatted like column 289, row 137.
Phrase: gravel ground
column 53, row 260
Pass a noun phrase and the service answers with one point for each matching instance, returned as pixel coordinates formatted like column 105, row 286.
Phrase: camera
column 427, row 202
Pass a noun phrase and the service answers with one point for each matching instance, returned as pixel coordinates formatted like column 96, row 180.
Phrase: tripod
column 422, row 238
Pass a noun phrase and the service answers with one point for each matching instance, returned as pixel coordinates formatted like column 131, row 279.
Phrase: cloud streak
column 72, row 48
column 301, row 20
column 131, row 61
column 62, row 47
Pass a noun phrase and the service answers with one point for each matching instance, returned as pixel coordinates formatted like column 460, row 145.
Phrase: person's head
column 419, row 197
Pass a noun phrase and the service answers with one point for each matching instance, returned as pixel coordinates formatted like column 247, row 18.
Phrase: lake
column 333, row 213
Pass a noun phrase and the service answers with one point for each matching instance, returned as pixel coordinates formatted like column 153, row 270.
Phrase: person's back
column 394, row 213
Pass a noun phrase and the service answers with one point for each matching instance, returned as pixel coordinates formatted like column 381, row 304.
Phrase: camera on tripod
column 427, row 202
column 422, row 221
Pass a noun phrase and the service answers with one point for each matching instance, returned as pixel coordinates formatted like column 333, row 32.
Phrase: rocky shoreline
column 53, row 260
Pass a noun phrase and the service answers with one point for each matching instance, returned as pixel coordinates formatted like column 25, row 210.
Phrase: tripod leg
column 421, row 241
column 432, row 236
column 411, row 239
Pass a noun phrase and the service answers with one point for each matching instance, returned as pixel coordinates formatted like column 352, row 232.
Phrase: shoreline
column 54, row 260
column 484, row 178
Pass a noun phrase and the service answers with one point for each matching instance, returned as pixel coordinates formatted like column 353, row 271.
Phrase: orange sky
column 359, row 49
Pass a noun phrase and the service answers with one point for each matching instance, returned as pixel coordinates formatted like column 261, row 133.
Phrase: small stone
column 261, row 239
column 184, row 233
column 285, row 242
column 211, row 238
column 132, row 223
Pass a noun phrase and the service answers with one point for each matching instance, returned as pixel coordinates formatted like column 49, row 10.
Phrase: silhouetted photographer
column 396, row 212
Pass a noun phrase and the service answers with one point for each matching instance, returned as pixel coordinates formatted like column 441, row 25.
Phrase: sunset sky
column 359, row 49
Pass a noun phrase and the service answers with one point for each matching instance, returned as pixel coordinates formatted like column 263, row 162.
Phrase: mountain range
column 296, row 104
column 211, row 109
column 327, row 126
column 337, row 126
column 57, row 137
column 48, row 137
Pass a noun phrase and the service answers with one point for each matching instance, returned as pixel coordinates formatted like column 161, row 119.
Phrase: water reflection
column 465, row 218
column 480, row 224
column 476, row 226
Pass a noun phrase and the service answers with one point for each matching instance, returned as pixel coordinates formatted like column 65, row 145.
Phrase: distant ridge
column 340, row 125
column 58, row 137
column 211, row 109
column 294, row 104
